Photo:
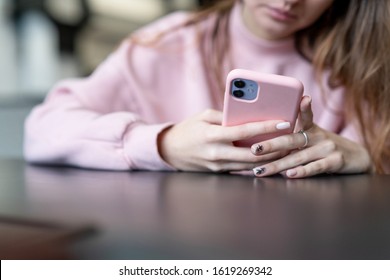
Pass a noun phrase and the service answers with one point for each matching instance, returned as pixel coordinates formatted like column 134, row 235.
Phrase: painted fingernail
column 291, row 173
column 283, row 125
column 259, row 171
column 257, row 149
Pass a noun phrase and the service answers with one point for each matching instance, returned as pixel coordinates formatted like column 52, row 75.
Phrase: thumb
column 211, row 116
column 305, row 120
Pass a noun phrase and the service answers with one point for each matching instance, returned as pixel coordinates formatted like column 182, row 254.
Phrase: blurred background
column 43, row 41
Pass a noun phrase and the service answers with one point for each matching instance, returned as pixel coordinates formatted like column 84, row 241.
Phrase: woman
column 156, row 102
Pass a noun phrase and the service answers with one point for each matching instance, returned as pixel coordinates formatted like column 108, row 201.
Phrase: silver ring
column 306, row 138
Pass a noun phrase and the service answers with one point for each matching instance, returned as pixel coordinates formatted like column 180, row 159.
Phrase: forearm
column 71, row 134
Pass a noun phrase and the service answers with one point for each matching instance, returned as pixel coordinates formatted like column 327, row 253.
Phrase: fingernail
column 310, row 99
column 291, row 173
column 257, row 149
column 259, row 171
column 283, row 125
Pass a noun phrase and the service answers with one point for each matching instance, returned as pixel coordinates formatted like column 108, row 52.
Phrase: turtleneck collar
column 241, row 33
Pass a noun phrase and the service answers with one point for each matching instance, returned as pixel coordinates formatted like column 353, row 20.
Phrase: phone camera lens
column 238, row 93
column 239, row 84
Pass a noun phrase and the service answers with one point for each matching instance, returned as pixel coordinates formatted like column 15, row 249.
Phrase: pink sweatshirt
column 111, row 119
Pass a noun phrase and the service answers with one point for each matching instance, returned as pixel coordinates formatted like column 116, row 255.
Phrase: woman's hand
column 200, row 143
column 322, row 152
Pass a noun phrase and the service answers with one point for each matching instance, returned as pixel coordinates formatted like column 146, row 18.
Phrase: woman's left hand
column 313, row 151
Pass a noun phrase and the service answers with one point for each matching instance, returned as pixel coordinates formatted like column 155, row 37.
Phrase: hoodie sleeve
column 94, row 122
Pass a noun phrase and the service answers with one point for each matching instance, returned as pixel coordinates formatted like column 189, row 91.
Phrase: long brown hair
column 352, row 40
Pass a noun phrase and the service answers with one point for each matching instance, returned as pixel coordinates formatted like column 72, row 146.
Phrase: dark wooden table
column 161, row 215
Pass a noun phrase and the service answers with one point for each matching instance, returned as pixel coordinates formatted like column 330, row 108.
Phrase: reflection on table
column 162, row 215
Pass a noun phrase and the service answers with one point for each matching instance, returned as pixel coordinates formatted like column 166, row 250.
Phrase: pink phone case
column 252, row 96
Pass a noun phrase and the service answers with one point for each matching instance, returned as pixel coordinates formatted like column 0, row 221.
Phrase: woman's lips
column 281, row 15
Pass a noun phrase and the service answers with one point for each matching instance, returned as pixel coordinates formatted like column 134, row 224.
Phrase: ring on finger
column 306, row 138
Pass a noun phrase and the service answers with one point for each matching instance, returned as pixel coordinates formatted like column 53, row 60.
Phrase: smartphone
column 253, row 96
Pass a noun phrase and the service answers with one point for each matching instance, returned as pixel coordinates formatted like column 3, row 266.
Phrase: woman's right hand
column 201, row 143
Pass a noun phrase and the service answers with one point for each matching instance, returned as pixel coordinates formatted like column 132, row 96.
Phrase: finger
column 325, row 165
column 305, row 119
column 246, row 131
column 225, row 153
column 290, row 161
column 228, row 166
column 306, row 113
column 222, row 166
column 282, row 143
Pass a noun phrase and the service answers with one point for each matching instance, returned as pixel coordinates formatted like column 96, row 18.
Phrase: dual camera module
column 244, row 89
column 238, row 92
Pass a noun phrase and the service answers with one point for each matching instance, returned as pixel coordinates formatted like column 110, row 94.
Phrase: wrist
column 163, row 145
